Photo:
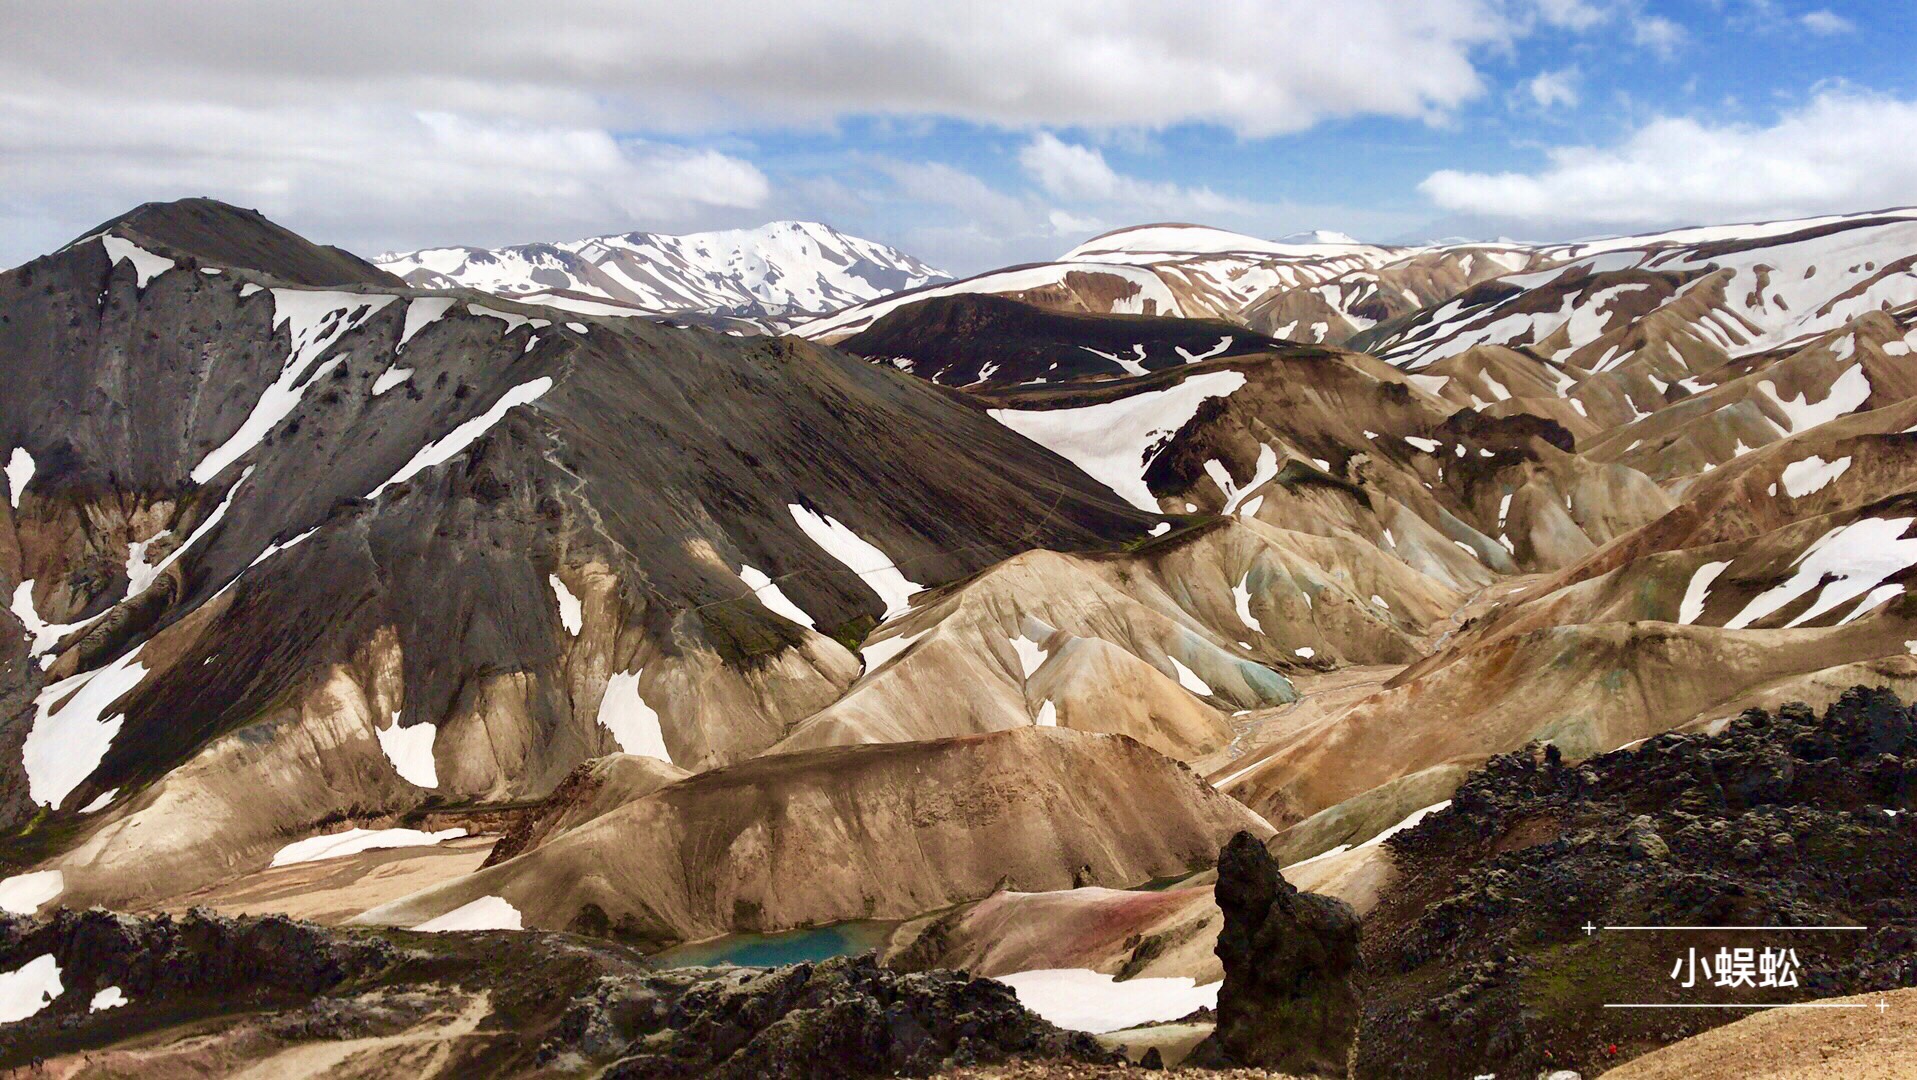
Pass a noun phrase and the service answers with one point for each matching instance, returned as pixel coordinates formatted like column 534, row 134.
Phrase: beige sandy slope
column 1796, row 1044
column 333, row 890
column 1158, row 644
column 1588, row 688
column 1125, row 933
column 868, row 832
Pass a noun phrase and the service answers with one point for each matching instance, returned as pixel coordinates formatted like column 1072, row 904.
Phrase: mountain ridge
column 779, row 269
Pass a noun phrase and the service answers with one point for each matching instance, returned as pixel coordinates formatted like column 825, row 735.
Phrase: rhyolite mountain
column 965, row 627
column 1321, row 290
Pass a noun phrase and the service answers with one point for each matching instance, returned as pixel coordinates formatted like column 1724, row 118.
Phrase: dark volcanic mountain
column 286, row 550
column 221, row 235
column 968, row 338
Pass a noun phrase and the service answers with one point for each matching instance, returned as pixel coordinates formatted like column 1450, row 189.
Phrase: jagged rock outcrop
column 1289, row 1002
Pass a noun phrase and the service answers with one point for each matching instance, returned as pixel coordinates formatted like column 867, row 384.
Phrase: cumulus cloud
column 1549, row 89
column 1080, row 174
column 1842, row 151
column 1573, row 14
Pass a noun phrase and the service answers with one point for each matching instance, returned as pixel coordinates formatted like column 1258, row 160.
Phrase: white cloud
column 1255, row 66
column 1577, row 15
column 1658, row 34
column 1081, row 174
column 1549, row 89
column 377, row 125
column 1825, row 21
column 1066, row 223
column 1840, row 152
column 354, row 175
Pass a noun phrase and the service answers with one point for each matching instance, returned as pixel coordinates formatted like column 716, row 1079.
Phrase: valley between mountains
column 546, row 630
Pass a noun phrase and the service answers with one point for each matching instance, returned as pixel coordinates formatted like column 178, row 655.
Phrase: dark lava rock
column 555, row 1002
column 201, row 952
column 1289, row 1002
column 1477, row 960
column 845, row 1017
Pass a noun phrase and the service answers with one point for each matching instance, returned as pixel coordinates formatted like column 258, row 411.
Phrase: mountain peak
column 221, row 234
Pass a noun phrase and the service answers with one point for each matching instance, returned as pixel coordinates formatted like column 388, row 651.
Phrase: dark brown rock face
column 1289, row 1002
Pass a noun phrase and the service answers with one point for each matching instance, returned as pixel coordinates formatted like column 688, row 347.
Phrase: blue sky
column 972, row 135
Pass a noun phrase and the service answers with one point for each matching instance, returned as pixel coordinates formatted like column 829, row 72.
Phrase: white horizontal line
column 1776, row 928
column 1792, row 1005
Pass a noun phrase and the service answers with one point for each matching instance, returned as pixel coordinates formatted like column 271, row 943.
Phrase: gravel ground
column 1796, row 1044
column 1066, row 1070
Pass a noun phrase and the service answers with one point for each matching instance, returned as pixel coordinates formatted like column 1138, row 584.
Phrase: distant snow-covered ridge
column 780, row 269
column 1315, row 288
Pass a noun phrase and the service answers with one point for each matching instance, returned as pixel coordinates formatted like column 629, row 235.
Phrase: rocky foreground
column 209, row 995
column 1478, row 961
column 1489, row 954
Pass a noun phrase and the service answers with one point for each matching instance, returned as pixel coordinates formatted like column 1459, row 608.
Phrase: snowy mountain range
column 783, row 268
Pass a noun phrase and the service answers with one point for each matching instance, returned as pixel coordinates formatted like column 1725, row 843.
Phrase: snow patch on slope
column 29, row 988
column 1812, row 474
column 774, row 599
column 633, row 723
column 1698, row 593
column 411, row 751
column 314, row 321
column 1847, row 561
column 24, row 894
column 353, row 841
column 466, row 434
column 146, row 265
column 571, row 613
column 1846, row 394
column 19, row 472
column 420, row 313
column 485, row 913
column 874, row 567
column 69, row 736
column 1189, row 679
column 1113, row 442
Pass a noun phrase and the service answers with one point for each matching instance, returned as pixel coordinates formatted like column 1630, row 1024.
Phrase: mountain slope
column 972, row 338
column 239, row 497
column 780, row 269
